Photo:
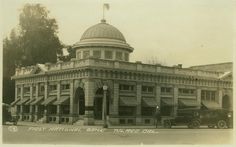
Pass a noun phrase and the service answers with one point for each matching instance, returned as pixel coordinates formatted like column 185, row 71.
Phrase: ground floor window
column 65, row 109
column 166, row 110
column 26, row 109
column 127, row 110
column 148, row 111
column 51, row 109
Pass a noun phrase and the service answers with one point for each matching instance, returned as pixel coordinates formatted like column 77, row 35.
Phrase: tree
column 39, row 39
column 35, row 41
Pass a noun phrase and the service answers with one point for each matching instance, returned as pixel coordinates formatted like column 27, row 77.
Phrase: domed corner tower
column 103, row 41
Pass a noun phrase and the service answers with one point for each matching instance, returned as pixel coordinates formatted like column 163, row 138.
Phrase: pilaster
column 139, row 100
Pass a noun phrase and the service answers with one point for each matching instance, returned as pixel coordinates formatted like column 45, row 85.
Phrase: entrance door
column 225, row 102
column 80, row 101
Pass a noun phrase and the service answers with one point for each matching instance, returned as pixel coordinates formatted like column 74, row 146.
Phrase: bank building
column 101, row 83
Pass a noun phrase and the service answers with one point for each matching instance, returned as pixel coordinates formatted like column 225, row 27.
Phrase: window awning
column 128, row 101
column 188, row 102
column 23, row 101
column 30, row 101
column 211, row 104
column 149, row 102
column 49, row 100
column 62, row 100
column 37, row 101
column 14, row 103
column 167, row 102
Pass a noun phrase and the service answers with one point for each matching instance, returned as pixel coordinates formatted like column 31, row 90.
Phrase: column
column 71, row 118
column 175, row 101
column 21, row 97
column 31, row 107
column 114, row 114
column 158, row 95
column 58, row 106
column 199, row 97
column 45, row 97
column 139, row 106
column 89, row 99
column 219, row 95
column 36, row 106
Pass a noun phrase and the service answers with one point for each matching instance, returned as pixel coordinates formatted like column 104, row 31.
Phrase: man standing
column 157, row 116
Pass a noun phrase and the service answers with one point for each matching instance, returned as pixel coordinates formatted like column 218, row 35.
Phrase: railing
column 118, row 64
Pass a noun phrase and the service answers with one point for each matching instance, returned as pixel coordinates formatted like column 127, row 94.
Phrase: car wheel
column 221, row 124
column 195, row 124
column 167, row 124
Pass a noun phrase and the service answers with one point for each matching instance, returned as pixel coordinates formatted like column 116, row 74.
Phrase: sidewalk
column 35, row 124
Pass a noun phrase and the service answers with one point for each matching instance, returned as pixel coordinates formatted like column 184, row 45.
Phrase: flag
column 106, row 6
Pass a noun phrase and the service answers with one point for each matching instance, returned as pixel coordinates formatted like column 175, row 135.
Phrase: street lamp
column 105, row 105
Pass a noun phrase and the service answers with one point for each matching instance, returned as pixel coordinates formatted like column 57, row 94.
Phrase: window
column 127, row 110
column 148, row 111
column 208, row 95
column 126, row 57
column 78, row 55
column 26, row 89
column 52, row 87
column 119, row 55
column 166, row 89
column 147, row 89
column 85, row 54
column 108, row 54
column 127, row 87
column 183, row 91
column 97, row 54
column 65, row 86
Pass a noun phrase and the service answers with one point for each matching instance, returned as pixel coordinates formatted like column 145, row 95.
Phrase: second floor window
column 208, row 95
column 166, row 90
column 52, row 87
column 148, row 89
column 127, row 87
column 186, row 91
column 97, row 54
column 65, row 86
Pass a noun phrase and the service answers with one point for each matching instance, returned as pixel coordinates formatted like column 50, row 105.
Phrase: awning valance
column 211, row 104
column 188, row 102
column 49, row 100
column 167, row 102
column 23, row 101
column 128, row 101
column 149, row 102
column 16, row 101
column 62, row 100
column 37, row 101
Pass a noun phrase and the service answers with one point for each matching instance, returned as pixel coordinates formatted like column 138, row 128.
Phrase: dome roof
column 103, row 30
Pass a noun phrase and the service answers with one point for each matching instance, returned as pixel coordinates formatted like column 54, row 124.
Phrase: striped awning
column 210, row 104
column 149, row 102
column 30, row 101
column 128, row 101
column 167, row 102
column 16, row 101
column 23, row 101
column 62, row 100
column 37, row 101
column 49, row 100
column 188, row 102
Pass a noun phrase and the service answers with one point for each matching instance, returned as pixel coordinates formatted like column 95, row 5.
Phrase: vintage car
column 7, row 116
column 189, row 117
column 219, row 118
column 194, row 118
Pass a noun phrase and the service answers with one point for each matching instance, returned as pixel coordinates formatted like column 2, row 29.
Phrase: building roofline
column 212, row 64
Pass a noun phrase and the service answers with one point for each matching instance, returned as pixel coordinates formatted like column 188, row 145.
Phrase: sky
column 188, row 32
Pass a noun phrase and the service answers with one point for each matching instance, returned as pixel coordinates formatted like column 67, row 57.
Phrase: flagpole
column 103, row 12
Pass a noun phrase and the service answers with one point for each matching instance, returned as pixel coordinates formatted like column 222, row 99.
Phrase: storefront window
column 127, row 110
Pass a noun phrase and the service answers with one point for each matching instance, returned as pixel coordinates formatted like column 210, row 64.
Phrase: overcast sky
column 188, row 32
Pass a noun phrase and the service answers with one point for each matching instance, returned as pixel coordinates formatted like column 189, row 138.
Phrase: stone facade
column 72, row 92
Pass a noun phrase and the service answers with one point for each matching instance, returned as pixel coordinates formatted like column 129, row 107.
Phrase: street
column 90, row 135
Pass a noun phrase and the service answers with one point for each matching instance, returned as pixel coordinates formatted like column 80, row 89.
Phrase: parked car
column 7, row 116
column 219, row 118
column 189, row 117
